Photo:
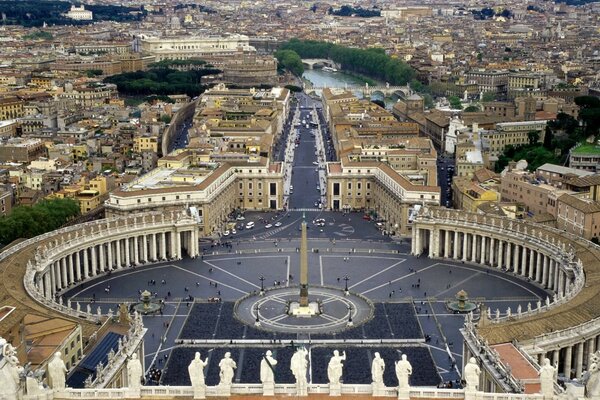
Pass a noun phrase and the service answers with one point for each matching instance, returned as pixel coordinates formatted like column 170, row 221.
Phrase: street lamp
column 262, row 285
column 257, row 321
column 350, row 323
column 346, row 279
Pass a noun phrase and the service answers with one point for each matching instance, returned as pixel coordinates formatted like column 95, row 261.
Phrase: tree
column 165, row 118
column 472, row 109
column 533, row 137
column 488, row 96
column 455, row 103
column 548, row 135
column 291, row 61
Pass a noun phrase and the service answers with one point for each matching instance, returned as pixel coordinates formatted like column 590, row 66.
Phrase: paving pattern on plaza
column 407, row 292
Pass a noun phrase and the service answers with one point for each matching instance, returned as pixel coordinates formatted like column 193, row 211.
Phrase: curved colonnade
column 97, row 248
column 561, row 327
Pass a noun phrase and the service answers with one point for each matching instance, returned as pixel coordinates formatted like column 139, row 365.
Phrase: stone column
column 413, row 242
column 145, row 244
column 109, row 257
column 492, row 252
column 127, row 252
column 70, row 269
column 63, row 272
column 524, row 266
column 77, row 266
column 431, row 243
column 56, row 284
column 538, row 267
column 557, row 277
column 591, row 348
column 94, row 261
column 568, row 356
column 447, row 244
column 455, row 245
column 473, row 248
column 178, row 245
column 555, row 355
column 579, row 365
column 163, row 246
column 119, row 263
column 465, row 246
column 195, row 242
column 545, row 271
column 47, row 286
column 531, row 264
column 86, row 264
column 136, row 250
column 482, row 258
column 516, row 259
column 561, row 284
column 153, row 246
column 102, row 258
column 172, row 253
column 500, row 253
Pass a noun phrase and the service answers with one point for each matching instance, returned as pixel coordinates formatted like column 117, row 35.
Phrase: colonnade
column 495, row 251
column 106, row 254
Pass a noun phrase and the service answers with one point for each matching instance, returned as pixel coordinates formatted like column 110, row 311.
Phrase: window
column 272, row 188
column 349, row 185
column 249, row 185
column 336, row 189
column 149, row 199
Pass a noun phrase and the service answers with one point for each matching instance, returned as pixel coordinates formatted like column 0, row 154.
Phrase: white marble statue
column 227, row 365
column 267, row 365
column 334, row 369
column 592, row 377
column 377, row 368
column 57, row 371
column 471, row 375
column 403, row 373
column 299, row 367
column 134, row 372
column 196, row 371
column 9, row 371
column 548, row 375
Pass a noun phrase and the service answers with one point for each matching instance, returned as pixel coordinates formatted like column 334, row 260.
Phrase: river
column 321, row 78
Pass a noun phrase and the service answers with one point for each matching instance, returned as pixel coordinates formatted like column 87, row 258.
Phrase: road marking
column 380, row 272
column 210, row 280
column 321, row 268
column 234, row 275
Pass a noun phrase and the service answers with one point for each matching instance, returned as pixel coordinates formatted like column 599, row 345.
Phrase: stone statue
column 377, row 368
column 56, row 372
column 299, row 366
column 196, row 371
column 78, row 306
column 134, row 372
column 548, row 375
column 334, row 369
column 471, row 375
column 227, row 365
column 88, row 308
column 9, row 371
column 592, row 377
column 267, row 366
column 403, row 372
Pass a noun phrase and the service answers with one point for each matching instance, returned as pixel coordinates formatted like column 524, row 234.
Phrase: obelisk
column 303, row 266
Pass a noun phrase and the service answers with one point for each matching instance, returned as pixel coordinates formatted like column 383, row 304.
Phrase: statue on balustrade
column 403, row 373
column 592, row 377
column 299, row 367
column 227, row 365
column 471, row 375
column 10, row 385
column 548, row 375
column 134, row 372
column 377, row 368
column 335, row 367
column 196, row 371
column 57, row 372
column 267, row 366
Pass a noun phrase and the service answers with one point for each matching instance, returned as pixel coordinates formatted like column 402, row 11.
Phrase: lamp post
column 346, row 279
column 257, row 321
column 350, row 323
column 262, row 285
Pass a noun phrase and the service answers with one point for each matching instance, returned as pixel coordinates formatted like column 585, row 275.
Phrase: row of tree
column 349, row 11
column 46, row 216
column 36, row 12
column 161, row 81
column 372, row 62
